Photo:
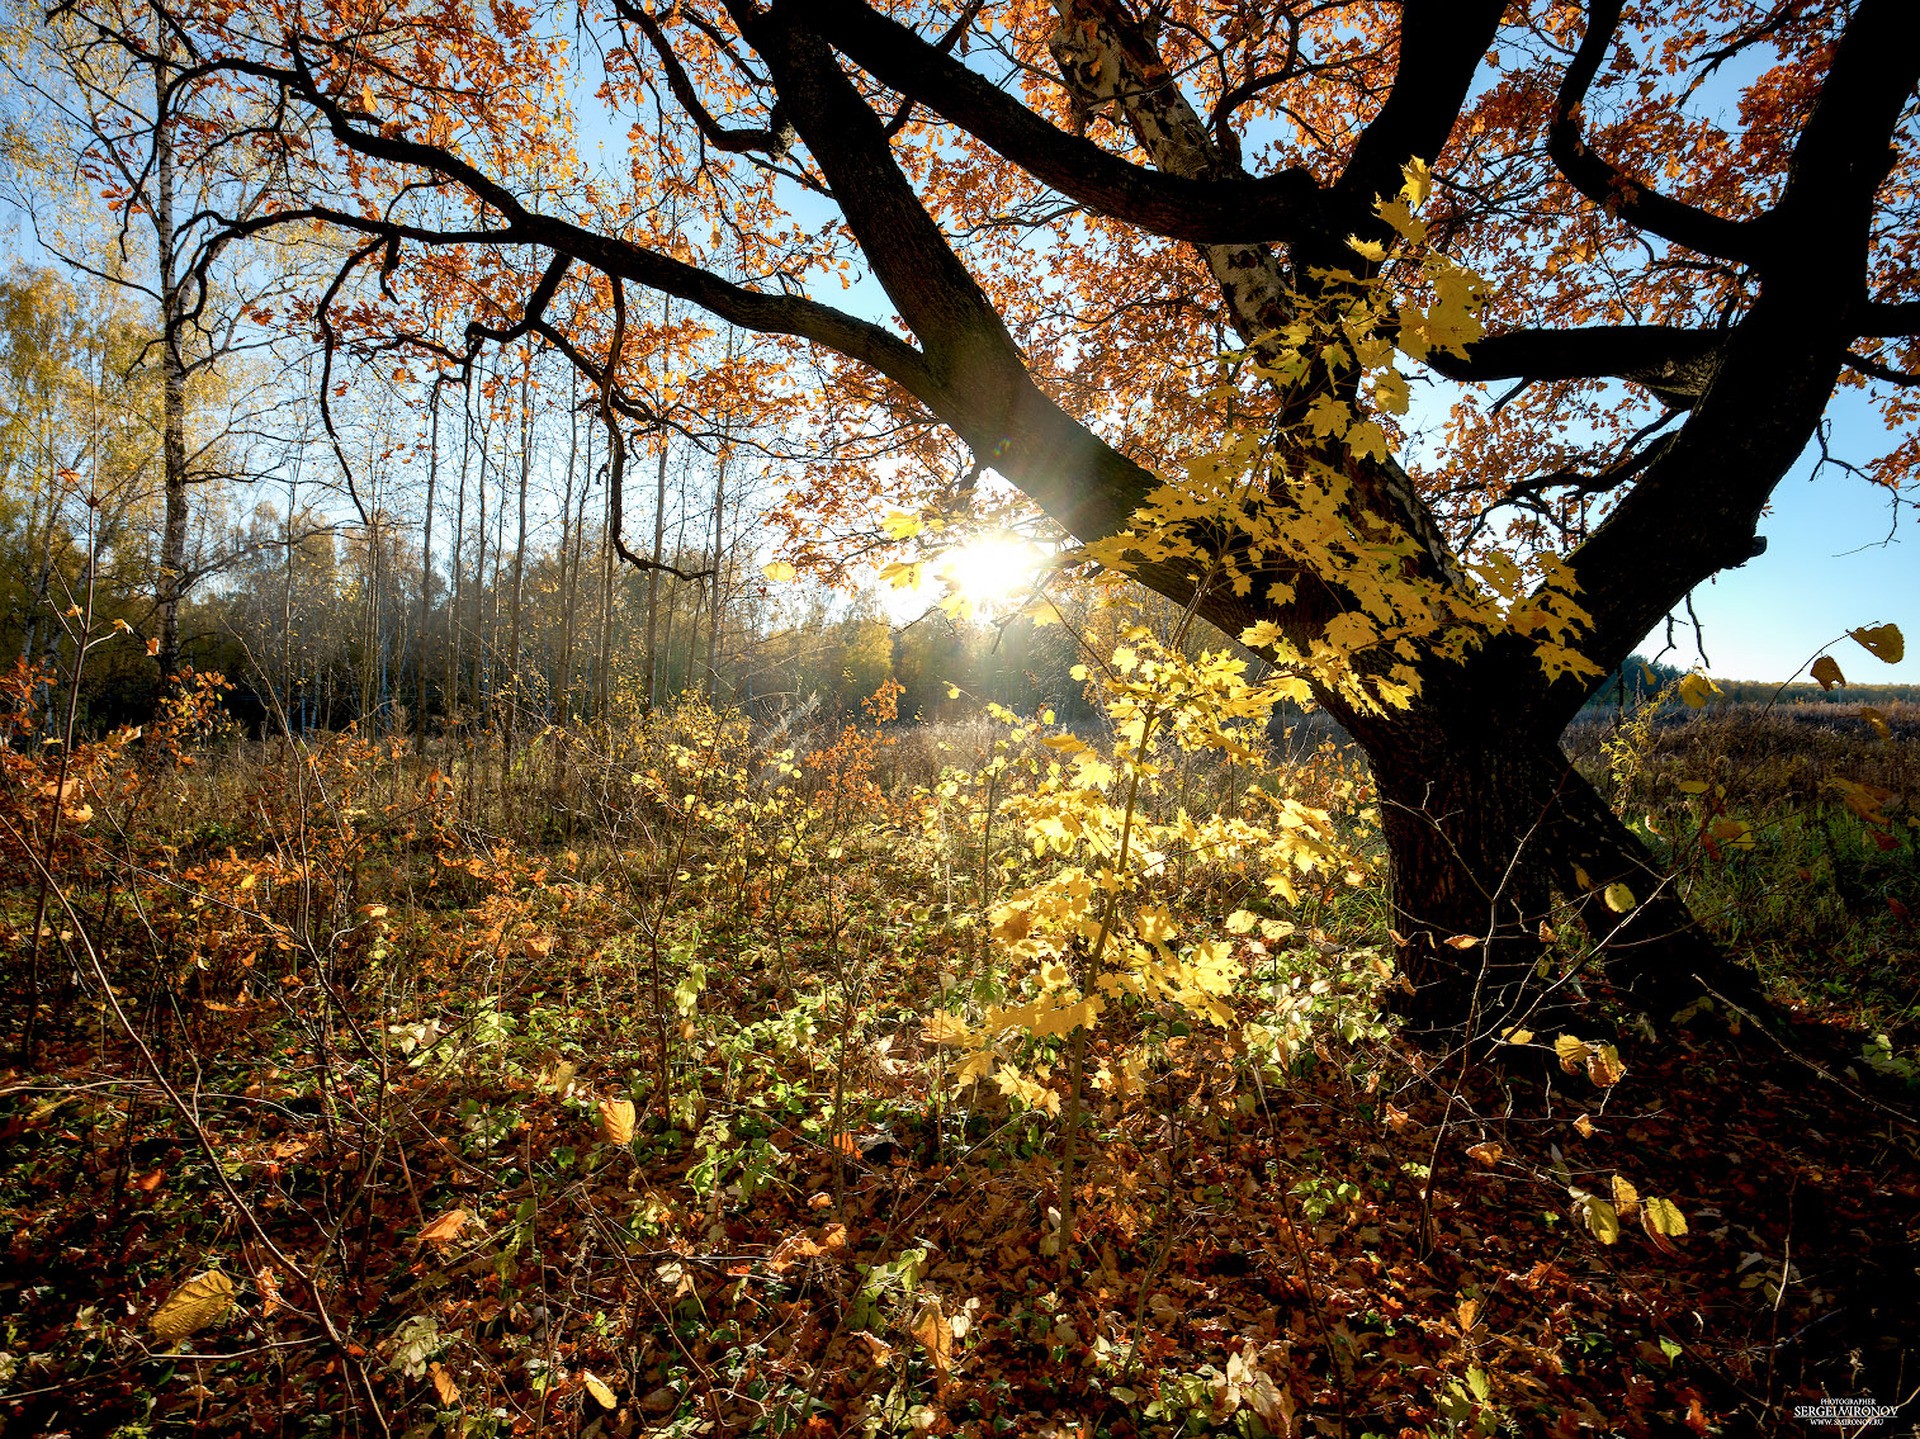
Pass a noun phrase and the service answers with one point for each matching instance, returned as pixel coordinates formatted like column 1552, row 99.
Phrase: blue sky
column 1826, row 571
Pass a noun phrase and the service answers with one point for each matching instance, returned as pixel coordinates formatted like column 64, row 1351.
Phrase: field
column 691, row 1081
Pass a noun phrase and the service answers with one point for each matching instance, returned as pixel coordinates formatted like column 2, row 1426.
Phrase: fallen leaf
column 268, row 1283
column 616, row 1121
column 1486, row 1152
column 202, row 1300
column 443, row 1384
column 935, row 1334
column 598, row 1388
column 446, row 1228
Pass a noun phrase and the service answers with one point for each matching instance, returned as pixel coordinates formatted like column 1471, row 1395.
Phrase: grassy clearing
column 652, row 1087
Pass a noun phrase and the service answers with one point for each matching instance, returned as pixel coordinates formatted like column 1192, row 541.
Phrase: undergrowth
column 1001, row 1080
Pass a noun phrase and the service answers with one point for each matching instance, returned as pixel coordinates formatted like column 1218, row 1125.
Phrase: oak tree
column 1691, row 223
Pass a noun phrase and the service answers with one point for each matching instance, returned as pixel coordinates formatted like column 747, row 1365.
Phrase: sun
column 992, row 572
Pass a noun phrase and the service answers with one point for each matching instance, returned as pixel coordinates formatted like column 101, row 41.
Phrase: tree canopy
column 1627, row 252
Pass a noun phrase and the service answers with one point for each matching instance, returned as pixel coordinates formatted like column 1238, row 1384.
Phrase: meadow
column 700, row 1078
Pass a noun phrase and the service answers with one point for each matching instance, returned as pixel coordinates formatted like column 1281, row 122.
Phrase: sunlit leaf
column 616, row 1121
column 1696, row 690
column 201, row 1301
column 602, row 1394
column 1662, row 1219
column 1604, row 1066
column 446, row 1228
column 1626, row 1199
column 935, row 1334
column 1883, row 642
column 1599, row 1216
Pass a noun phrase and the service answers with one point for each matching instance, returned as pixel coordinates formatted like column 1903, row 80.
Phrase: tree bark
column 171, row 583
column 512, row 683
column 426, row 577
column 1492, row 835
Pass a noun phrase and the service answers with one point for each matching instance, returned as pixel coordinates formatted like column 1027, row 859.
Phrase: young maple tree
column 1075, row 208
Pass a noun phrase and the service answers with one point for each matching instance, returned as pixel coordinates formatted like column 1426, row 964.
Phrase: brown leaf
column 935, row 1334
column 1883, row 641
column 1604, row 1067
column 616, row 1121
column 446, row 1228
column 1626, row 1198
column 443, row 1384
column 1486, row 1152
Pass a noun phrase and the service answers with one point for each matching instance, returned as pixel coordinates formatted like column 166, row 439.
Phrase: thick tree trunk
column 1492, row 834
